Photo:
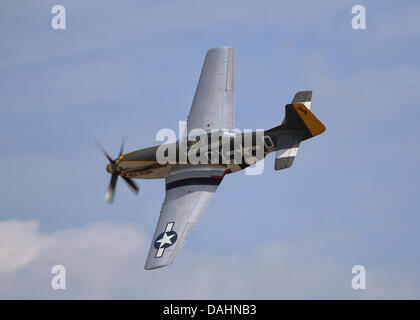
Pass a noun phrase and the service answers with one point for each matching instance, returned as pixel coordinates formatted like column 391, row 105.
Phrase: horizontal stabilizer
column 304, row 97
column 287, row 148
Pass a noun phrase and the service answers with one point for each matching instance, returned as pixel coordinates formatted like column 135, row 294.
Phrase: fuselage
column 233, row 153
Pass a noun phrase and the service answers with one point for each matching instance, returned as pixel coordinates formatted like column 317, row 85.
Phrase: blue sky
column 131, row 68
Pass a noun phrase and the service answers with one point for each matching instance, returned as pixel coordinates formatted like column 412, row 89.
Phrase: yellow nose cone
column 109, row 168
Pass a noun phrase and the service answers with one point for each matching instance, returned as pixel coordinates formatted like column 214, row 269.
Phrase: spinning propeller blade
column 115, row 172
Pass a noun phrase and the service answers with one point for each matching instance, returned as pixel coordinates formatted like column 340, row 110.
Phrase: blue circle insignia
column 165, row 239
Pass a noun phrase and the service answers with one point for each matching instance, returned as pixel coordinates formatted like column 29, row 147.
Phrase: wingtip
column 220, row 48
column 157, row 263
column 148, row 267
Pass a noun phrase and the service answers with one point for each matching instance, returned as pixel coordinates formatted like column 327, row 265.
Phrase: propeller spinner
column 115, row 172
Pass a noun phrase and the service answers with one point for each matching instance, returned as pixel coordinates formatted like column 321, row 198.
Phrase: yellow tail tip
column 315, row 126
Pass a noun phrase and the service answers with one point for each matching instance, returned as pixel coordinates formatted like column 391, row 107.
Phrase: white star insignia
column 165, row 239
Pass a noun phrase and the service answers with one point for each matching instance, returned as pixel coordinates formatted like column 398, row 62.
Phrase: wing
column 213, row 105
column 188, row 191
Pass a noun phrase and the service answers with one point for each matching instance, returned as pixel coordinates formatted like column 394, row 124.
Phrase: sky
column 131, row 68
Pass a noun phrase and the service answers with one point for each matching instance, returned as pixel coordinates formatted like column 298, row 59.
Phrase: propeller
column 115, row 171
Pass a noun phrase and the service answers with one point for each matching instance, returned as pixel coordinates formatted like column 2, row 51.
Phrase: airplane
column 190, row 185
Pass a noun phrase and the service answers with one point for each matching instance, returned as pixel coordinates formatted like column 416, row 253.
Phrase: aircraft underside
column 139, row 165
column 196, row 164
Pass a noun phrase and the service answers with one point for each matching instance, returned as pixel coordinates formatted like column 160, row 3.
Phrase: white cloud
column 106, row 261
column 16, row 250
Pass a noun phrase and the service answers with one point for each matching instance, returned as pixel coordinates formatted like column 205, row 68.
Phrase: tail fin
column 299, row 124
column 300, row 118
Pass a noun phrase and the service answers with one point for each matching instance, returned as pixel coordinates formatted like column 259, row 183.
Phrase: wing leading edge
column 188, row 193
